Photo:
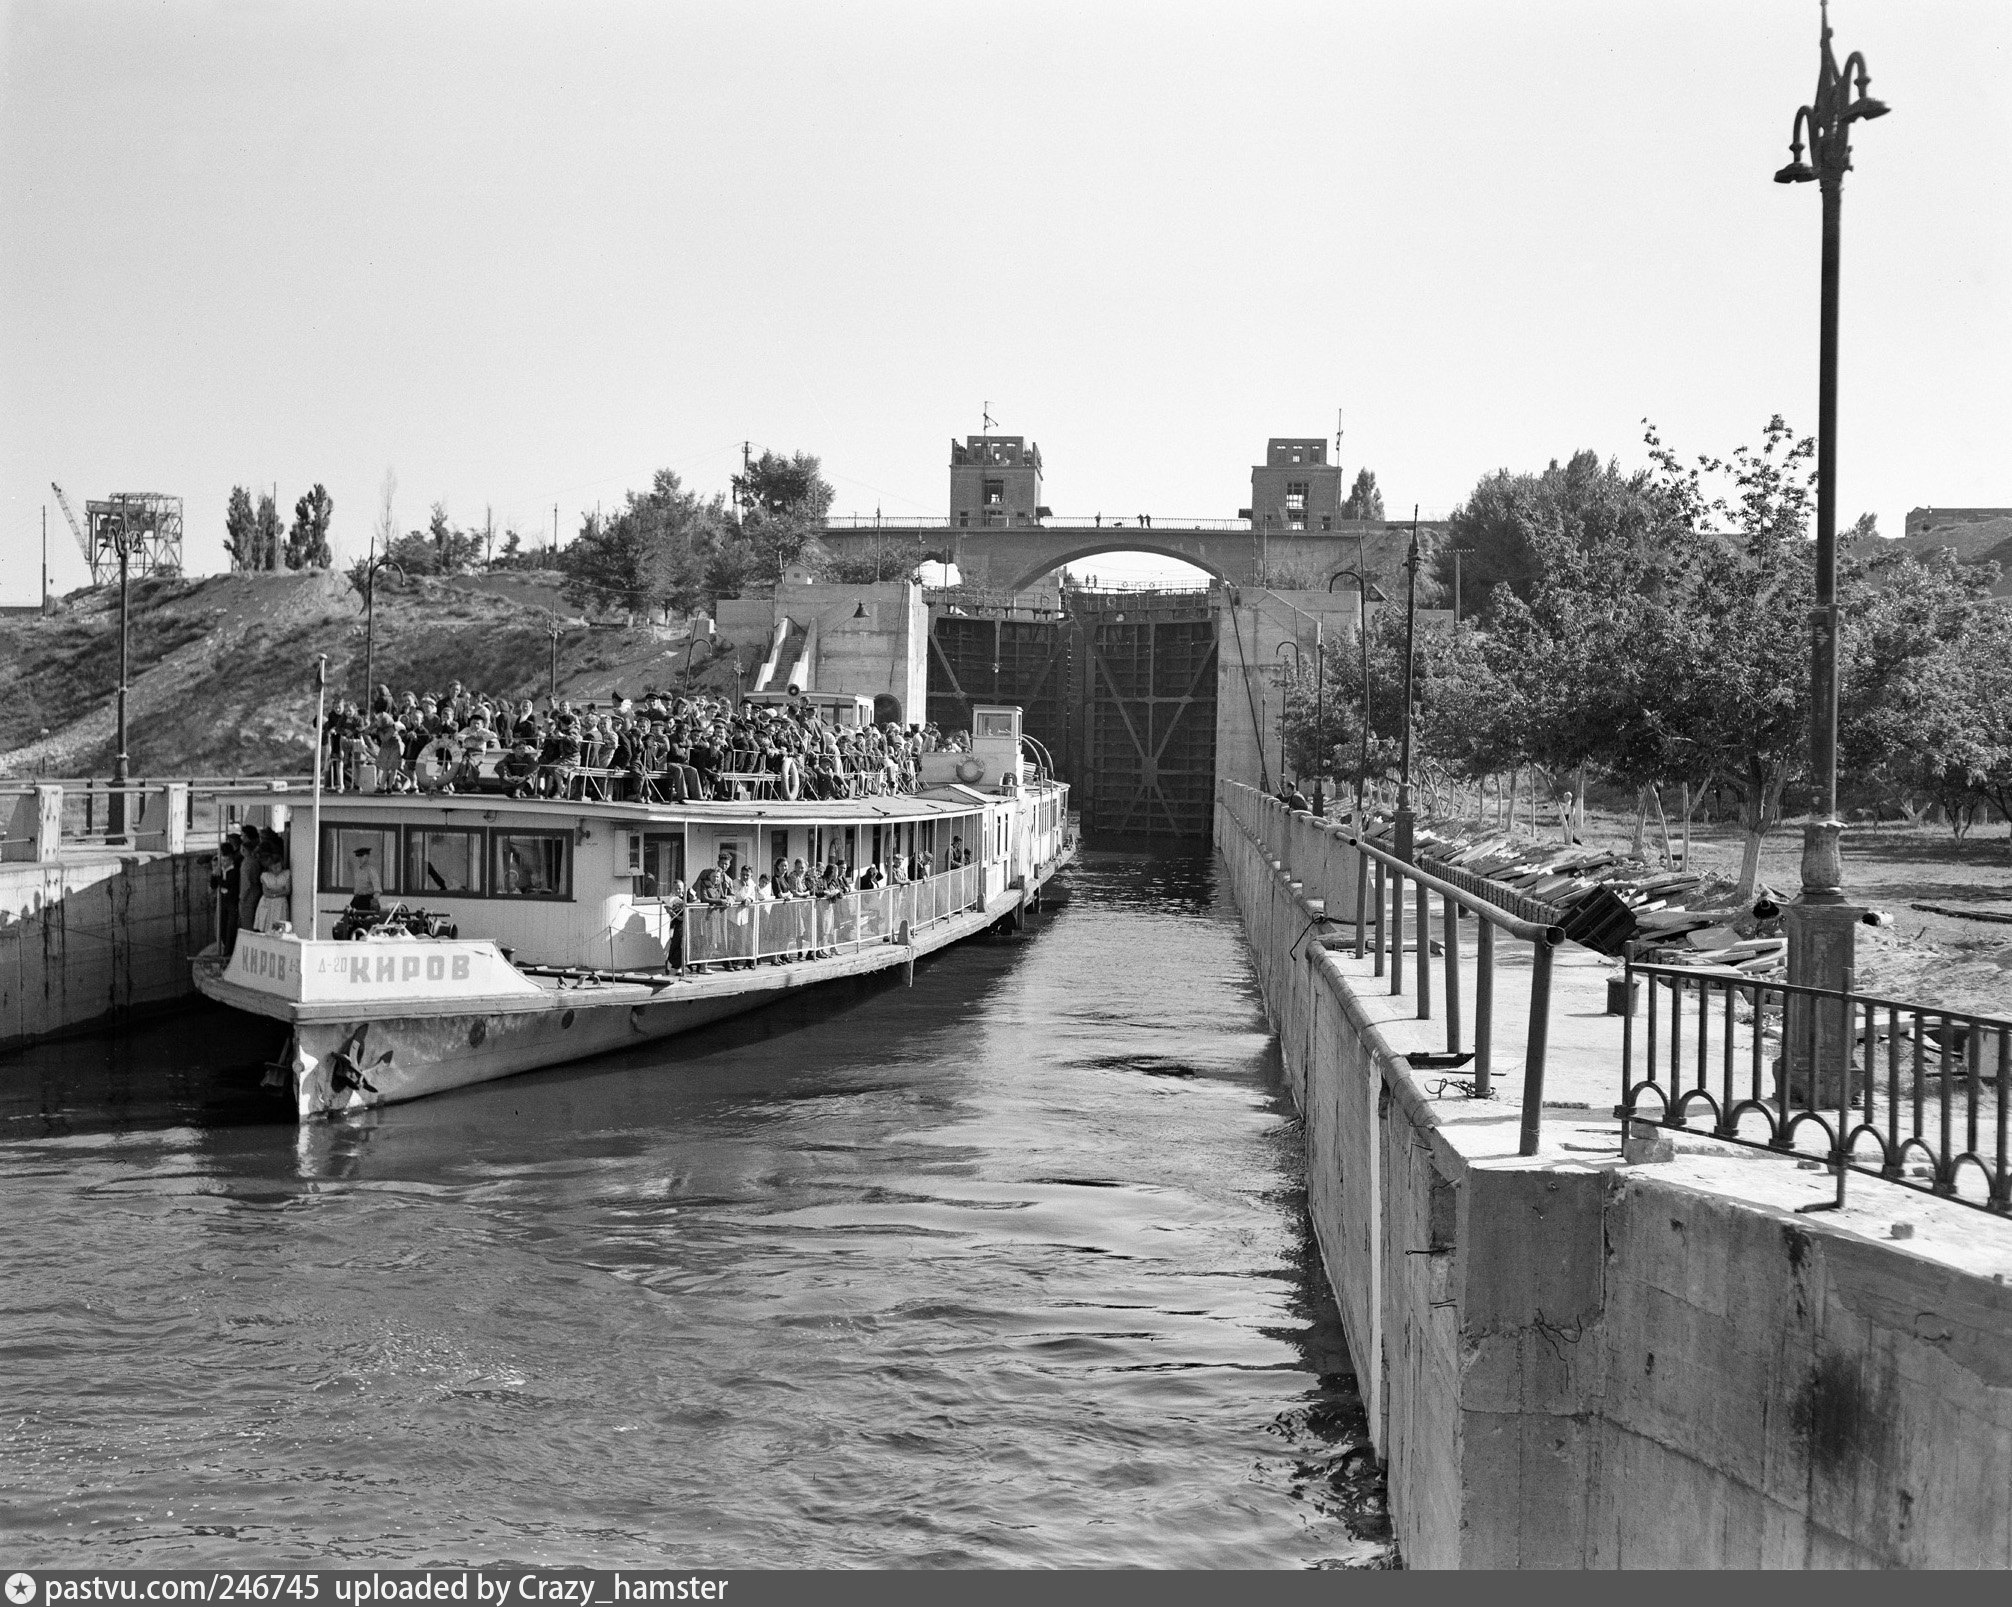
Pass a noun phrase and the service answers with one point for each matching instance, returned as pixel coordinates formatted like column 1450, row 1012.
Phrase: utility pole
column 45, row 557
column 555, row 531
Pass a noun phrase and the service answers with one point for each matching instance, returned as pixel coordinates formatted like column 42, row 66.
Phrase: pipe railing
column 41, row 818
column 1943, row 1072
column 1379, row 932
column 802, row 928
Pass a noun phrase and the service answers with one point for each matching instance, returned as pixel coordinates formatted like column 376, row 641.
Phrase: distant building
column 1295, row 488
column 995, row 480
column 1922, row 520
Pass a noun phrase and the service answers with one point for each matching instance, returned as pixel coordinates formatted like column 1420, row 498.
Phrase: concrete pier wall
column 94, row 936
column 1572, row 1360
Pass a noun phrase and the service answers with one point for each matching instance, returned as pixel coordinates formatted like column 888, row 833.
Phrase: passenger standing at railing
column 746, row 920
column 674, row 933
column 224, row 880
column 248, row 882
column 275, row 891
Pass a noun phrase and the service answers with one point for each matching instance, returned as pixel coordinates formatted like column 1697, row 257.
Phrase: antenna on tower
column 1337, row 437
column 985, row 411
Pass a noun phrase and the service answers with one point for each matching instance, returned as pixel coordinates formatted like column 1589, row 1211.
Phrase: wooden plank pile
column 1604, row 899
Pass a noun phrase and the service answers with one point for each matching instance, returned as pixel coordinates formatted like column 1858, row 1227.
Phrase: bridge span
column 1015, row 557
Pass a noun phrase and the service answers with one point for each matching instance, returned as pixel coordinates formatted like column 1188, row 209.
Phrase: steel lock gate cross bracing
column 1121, row 689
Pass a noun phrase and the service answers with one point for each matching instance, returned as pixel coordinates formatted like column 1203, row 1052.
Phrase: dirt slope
column 223, row 667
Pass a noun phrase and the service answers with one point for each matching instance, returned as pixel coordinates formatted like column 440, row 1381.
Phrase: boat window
column 443, row 862
column 338, row 856
column 531, row 864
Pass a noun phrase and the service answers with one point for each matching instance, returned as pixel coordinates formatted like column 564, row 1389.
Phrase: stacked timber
column 1603, row 899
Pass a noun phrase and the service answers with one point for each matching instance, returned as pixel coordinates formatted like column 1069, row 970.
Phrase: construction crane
column 141, row 528
column 77, row 530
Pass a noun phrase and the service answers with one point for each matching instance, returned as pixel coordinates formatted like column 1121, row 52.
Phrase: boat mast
column 314, row 839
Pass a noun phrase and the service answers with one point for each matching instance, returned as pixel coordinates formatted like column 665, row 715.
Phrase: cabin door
column 663, row 863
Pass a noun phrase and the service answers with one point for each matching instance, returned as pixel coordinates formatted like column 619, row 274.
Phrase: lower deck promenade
column 1598, row 1355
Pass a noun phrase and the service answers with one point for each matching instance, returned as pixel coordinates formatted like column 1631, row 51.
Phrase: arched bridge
column 1014, row 557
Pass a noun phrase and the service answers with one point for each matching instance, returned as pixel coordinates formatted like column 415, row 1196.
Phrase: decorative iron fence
column 804, row 928
column 1911, row 1093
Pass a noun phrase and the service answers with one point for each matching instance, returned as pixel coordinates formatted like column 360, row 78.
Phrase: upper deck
column 583, row 881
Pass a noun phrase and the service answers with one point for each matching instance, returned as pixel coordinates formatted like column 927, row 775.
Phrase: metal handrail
column 804, row 924
column 1816, row 1051
column 1390, row 874
column 1515, row 925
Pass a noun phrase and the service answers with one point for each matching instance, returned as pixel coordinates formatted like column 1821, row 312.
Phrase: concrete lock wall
column 93, row 937
column 1572, row 1361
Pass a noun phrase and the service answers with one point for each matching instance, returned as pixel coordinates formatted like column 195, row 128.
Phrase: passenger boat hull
column 354, row 1054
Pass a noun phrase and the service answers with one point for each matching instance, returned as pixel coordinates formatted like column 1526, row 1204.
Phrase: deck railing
column 1911, row 1093
column 799, row 928
column 42, row 818
column 1379, row 881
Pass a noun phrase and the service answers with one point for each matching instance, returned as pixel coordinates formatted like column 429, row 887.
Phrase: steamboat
column 550, row 935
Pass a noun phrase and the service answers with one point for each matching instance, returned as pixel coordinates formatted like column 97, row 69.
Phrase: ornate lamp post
column 1365, row 593
column 1820, row 927
column 115, row 815
column 1298, row 669
column 1406, row 824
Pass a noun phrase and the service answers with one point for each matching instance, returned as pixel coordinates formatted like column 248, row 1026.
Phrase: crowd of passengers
column 662, row 748
column 719, row 888
column 253, row 884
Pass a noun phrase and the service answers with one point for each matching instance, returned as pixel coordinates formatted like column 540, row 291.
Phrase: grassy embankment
column 223, row 667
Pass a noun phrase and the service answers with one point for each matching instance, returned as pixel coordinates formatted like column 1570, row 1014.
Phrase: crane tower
column 144, row 524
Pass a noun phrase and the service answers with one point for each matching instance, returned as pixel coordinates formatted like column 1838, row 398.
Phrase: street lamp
column 122, row 542
column 1828, row 121
column 1298, row 669
column 1402, row 843
column 1823, row 956
column 1365, row 593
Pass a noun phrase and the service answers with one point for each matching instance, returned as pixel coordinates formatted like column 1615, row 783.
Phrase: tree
column 439, row 549
column 1728, row 658
column 656, row 552
column 267, row 537
column 307, row 542
column 1512, row 525
column 1925, row 693
column 241, row 530
column 786, row 499
column 901, row 561
column 1365, row 501
column 387, row 519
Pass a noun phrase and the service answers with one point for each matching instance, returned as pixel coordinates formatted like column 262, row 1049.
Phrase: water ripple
column 1009, row 1268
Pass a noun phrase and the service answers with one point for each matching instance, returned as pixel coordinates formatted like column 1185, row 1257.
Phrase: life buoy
column 970, row 771
column 792, row 779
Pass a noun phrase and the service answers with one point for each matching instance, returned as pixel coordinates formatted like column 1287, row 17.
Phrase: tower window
column 995, row 493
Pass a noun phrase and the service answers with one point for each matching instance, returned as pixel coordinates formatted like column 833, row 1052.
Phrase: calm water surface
column 1007, row 1268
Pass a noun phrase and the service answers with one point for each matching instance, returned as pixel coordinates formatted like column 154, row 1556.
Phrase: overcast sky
column 527, row 254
